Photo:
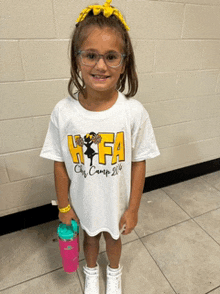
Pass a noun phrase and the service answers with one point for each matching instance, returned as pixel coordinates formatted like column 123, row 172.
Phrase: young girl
column 99, row 140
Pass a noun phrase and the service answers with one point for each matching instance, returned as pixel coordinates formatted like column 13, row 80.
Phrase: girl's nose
column 101, row 63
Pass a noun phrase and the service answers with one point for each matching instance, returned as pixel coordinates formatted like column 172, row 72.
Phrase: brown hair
column 80, row 34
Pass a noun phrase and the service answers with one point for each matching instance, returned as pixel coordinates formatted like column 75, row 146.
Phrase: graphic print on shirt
column 81, row 150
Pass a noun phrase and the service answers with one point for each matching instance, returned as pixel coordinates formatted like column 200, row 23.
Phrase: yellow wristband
column 66, row 209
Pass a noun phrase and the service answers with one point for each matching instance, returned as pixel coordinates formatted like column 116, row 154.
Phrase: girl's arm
column 137, row 184
column 130, row 217
column 62, row 183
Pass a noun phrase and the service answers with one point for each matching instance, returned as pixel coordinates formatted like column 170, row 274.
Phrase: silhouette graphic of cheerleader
column 89, row 139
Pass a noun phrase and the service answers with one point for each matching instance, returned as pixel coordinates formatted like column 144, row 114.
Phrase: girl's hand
column 130, row 220
column 66, row 217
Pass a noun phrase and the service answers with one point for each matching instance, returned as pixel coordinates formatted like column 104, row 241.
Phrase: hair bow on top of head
column 107, row 11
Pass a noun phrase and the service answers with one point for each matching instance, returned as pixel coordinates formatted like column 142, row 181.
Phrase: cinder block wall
column 177, row 48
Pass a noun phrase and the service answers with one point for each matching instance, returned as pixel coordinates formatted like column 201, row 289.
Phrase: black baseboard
column 181, row 175
column 39, row 215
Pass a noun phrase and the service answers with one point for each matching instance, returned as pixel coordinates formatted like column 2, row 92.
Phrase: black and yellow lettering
column 119, row 148
column 76, row 152
column 105, row 150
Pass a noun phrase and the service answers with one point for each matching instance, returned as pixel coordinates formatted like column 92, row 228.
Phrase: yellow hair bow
column 107, row 11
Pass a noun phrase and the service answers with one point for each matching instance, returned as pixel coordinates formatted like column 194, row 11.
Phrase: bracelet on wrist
column 66, row 209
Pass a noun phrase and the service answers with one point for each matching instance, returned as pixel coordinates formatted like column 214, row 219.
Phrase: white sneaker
column 91, row 279
column 113, row 284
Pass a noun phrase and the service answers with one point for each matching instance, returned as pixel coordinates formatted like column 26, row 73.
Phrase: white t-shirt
column 98, row 149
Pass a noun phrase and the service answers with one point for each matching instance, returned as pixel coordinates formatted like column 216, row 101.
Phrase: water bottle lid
column 67, row 232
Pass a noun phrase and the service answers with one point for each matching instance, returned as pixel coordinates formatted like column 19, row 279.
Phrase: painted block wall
column 177, row 50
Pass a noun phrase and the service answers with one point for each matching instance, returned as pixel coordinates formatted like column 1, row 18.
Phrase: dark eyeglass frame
column 99, row 55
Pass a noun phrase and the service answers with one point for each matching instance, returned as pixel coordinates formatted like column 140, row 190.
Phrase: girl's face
column 101, row 40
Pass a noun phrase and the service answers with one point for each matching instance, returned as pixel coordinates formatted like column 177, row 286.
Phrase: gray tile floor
column 175, row 248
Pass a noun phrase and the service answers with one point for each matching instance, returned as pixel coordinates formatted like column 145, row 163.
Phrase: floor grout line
column 176, row 203
column 213, row 290
column 159, row 267
column 207, row 182
column 141, row 240
column 15, row 285
column 193, row 218
column 184, row 221
column 80, row 281
column 206, row 232
column 207, row 212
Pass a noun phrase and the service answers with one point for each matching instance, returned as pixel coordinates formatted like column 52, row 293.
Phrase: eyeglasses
column 112, row 59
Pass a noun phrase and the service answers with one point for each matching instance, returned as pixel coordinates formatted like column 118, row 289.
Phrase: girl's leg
column 91, row 249
column 113, row 248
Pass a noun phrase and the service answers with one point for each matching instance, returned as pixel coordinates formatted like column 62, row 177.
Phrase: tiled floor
column 175, row 248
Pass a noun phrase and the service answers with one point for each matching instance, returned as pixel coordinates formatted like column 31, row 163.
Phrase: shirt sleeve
column 144, row 144
column 52, row 147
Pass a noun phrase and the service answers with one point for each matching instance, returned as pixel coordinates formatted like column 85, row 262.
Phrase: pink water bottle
column 68, row 237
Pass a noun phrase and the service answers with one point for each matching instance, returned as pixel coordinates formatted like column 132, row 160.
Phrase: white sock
column 114, row 269
column 92, row 268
